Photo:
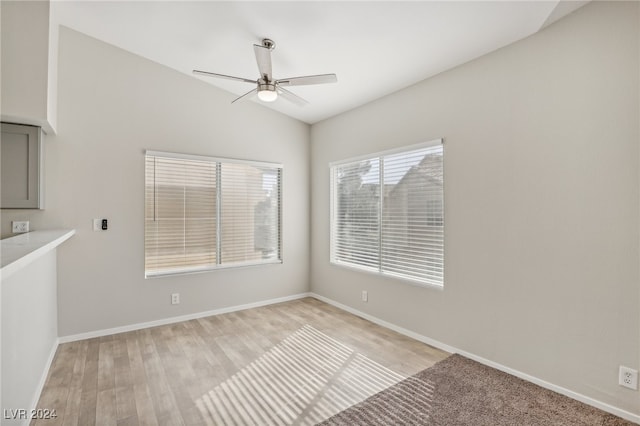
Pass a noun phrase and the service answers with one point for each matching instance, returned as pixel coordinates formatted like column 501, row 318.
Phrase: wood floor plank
column 71, row 411
column 145, row 413
column 106, row 371
column 181, row 376
column 106, row 413
column 89, row 386
column 161, row 399
column 296, row 362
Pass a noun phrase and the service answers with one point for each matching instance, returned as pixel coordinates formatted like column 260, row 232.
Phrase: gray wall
column 542, row 203
column 112, row 106
column 28, row 80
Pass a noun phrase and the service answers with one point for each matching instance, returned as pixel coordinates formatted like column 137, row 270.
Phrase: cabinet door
column 21, row 154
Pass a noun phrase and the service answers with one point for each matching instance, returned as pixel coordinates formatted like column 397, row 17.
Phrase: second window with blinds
column 387, row 213
column 205, row 213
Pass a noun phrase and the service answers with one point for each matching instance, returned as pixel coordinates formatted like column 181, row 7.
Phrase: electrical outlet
column 175, row 299
column 19, row 227
column 365, row 296
column 628, row 378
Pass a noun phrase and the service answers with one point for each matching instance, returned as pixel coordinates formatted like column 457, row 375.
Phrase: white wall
column 112, row 105
column 29, row 335
column 542, row 203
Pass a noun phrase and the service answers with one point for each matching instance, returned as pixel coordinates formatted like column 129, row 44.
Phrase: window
column 204, row 213
column 387, row 213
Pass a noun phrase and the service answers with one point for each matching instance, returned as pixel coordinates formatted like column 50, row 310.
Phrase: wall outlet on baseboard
column 20, row 227
column 175, row 299
column 628, row 377
column 365, row 296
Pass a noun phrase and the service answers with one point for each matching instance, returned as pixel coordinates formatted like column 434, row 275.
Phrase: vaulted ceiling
column 374, row 47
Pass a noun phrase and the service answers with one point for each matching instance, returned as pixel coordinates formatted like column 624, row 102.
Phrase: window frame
column 378, row 270
column 219, row 161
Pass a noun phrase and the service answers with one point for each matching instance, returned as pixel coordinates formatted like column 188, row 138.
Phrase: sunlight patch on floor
column 303, row 380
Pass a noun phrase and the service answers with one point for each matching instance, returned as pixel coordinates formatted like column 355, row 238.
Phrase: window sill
column 406, row 280
column 190, row 271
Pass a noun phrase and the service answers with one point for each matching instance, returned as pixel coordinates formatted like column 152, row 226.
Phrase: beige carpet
column 459, row 391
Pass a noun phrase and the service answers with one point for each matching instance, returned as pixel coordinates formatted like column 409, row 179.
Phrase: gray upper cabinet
column 21, row 167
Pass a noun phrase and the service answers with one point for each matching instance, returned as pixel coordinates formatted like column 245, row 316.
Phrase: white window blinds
column 388, row 213
column 203, row 213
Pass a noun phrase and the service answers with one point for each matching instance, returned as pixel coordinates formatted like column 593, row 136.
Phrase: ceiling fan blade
column 263, row 58
column 250, row 92
column 307, row 80
column 228, row 77
column 292, row 97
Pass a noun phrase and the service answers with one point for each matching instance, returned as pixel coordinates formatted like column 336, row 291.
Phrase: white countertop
column 19, row 251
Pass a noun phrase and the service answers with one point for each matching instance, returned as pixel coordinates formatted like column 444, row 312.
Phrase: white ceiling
column 374, row 47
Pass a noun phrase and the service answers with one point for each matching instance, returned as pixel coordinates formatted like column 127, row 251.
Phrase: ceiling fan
column 267, row 88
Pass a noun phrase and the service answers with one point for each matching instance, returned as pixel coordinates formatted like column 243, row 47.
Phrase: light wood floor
column 297, row 362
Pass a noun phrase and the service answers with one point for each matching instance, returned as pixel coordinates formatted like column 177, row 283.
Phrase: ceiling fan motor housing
column 265, row 85
column 267, row 90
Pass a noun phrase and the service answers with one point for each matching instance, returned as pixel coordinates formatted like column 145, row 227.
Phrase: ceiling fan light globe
column 267, row 95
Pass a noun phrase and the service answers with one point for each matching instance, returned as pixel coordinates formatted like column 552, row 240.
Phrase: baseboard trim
column 172, row 320
column 447, row 348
